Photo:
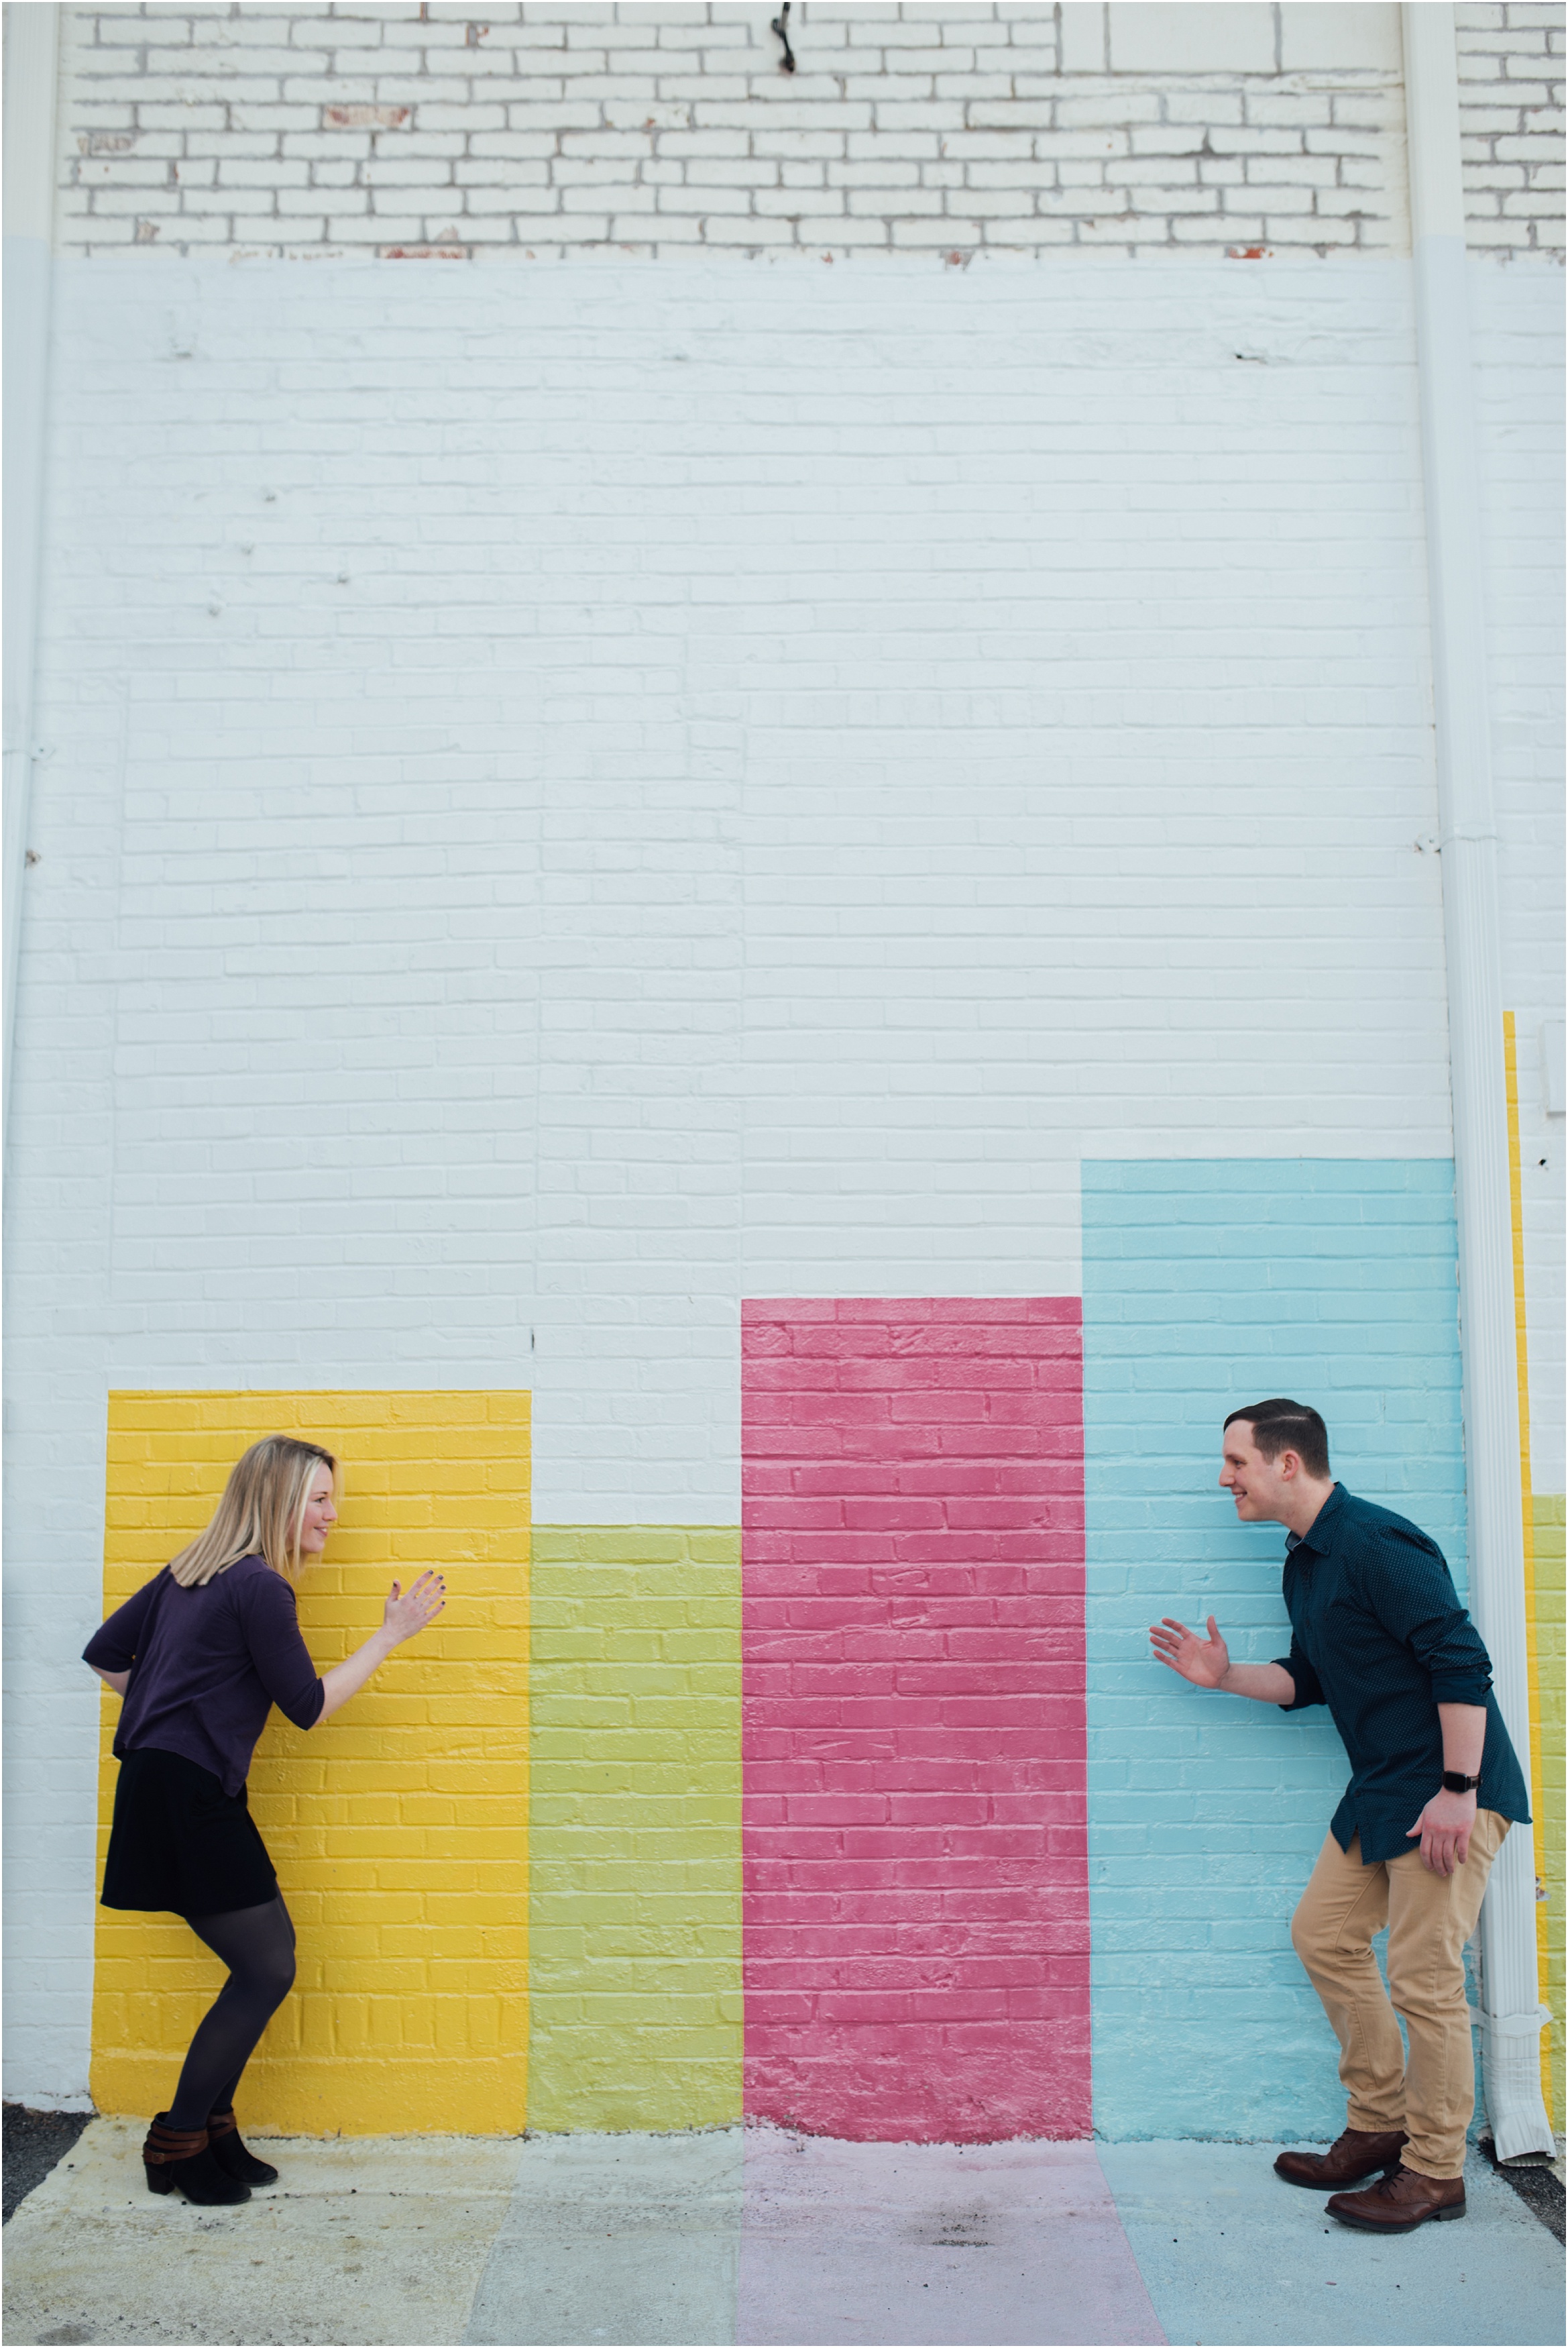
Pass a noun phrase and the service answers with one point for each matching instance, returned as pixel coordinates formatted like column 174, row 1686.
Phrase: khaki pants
column 1429, row 1919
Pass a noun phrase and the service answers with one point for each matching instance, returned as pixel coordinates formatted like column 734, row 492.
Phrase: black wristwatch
column 1455, row 1783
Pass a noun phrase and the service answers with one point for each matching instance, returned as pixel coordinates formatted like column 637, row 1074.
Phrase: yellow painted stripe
column 399, row 1827
column 635, row 1840
column 1521, row 1354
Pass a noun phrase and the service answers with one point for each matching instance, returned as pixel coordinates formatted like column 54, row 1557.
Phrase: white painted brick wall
column 573, row 800
column 552, row 126
column 1519, row 401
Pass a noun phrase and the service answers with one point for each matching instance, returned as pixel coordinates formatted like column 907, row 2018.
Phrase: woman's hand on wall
column 409, row 1611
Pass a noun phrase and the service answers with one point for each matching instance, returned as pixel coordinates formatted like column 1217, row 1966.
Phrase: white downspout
column 1512, row 2013
column 31, row 68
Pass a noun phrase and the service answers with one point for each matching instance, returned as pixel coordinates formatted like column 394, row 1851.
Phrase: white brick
column 995, row 204
column 245, row 171
column 918, row 144
column 1005, row 175
column 838, row 233
column 1167, row 138
column 150, row 202
column 886, row 175
column 550, row 121
column 521, row 146
column 122, row 171
column 407, row 174
column 717, row 201
column 1304, row 171
column 499, row 192
column 477, row 115
column 570, row 936
column 621, row 145
column 1288, row 112
column 1083, row 145
column 704, row 172
column 314, row 146
column 934, row 233
column 1115, row 112
column 791, row 200
column 913, row 204
column 803, row 145
column 1028, row 234
column 703, row 142
column 274, row 117
column 997, row 145
column 750, row 231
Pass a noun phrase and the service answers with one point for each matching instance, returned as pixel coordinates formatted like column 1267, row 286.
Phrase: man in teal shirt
column 1379, row 1635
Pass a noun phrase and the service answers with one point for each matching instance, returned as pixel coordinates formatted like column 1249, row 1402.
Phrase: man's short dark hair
column 1281, row 1425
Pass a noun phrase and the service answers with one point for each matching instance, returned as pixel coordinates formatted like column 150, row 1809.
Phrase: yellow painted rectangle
column 635, row 2010
column 398, row 1827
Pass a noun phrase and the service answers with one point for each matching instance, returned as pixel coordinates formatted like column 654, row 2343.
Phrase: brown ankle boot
column 231, row 2152
column 1357, row 2153
column 180, row 2157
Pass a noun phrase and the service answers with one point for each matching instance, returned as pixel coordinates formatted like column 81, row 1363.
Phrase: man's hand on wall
column 1444, row 1827
column 1204, row 1662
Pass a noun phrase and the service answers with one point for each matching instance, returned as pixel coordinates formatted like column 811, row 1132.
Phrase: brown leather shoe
column 1358, row 2153
column 1398, row 2204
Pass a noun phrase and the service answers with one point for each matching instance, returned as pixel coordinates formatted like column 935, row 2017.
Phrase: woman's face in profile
column 320, row 1515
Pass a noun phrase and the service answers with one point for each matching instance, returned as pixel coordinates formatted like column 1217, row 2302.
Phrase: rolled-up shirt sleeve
column 1308, row 1686
column 281, row 1659
column 1411, row 1593
column 116, row 1644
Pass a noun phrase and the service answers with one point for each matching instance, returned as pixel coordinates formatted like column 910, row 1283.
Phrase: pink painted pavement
column 916, row 1903
column 936, row 2243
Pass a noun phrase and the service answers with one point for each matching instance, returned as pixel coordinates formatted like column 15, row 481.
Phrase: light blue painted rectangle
column 1207, row 1285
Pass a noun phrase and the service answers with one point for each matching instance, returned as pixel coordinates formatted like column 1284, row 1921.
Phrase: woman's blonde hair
column 261, row 1513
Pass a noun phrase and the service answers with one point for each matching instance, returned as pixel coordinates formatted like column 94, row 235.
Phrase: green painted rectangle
column 634, row 1906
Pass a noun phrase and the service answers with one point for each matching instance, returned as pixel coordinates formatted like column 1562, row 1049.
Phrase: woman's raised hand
column 408, row 1611
column 412, row 1610
column 1204, row 1662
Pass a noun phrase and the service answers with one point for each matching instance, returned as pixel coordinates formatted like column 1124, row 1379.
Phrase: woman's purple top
column 208, row 1664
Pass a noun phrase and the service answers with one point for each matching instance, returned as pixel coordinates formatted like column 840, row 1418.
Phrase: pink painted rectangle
column 916, row 1903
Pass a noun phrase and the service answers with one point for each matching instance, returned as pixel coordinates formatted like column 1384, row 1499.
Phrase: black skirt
column 179, row 1841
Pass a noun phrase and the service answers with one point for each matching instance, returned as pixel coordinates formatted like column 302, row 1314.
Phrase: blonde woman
column 198, row 1657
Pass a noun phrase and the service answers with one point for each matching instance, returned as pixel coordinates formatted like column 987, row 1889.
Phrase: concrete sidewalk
column 758, row 2235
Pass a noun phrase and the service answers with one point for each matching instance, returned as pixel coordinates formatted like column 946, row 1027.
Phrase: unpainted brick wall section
column 1510, row 124
column 551, row 126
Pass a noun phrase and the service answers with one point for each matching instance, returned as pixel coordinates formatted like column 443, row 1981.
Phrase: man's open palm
column 1204, row 1662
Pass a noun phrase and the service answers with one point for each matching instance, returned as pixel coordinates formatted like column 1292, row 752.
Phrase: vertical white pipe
column 32, row 49
column 1511, row 2018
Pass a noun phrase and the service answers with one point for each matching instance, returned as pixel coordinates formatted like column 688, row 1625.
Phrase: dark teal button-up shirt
column 1379, row 1635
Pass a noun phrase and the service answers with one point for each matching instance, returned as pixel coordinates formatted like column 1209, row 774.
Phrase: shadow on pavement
column 34, row 2142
